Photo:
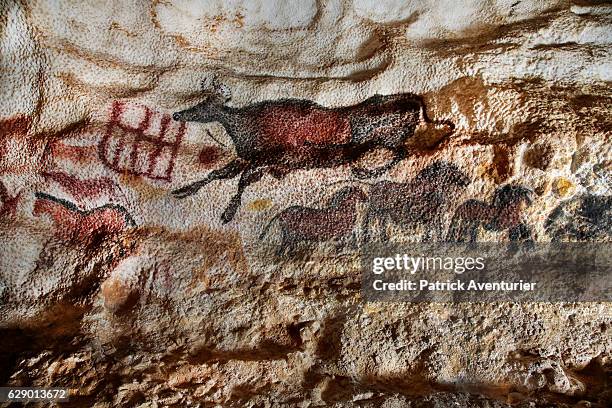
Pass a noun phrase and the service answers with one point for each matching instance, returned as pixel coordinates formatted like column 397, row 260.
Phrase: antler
column 207, row 84
column 212, row 85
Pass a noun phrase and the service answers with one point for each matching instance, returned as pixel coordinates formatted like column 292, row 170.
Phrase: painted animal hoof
column 186, row 191
column 228, row 215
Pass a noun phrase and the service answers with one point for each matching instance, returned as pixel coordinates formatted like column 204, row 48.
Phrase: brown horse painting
column 503, row 213
column 585, row 218
column 422, row 201
column 305, row 224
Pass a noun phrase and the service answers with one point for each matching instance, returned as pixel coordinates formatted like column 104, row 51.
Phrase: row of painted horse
column 421, row 202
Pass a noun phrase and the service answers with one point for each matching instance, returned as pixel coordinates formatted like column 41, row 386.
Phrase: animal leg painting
column 8, row 207
column 230, row 171
column 250, row 175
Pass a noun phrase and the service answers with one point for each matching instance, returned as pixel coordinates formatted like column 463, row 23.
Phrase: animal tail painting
column 427, row 119
column 266, row 229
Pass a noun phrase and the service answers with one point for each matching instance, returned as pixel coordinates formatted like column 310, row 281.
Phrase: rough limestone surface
column 116, row 288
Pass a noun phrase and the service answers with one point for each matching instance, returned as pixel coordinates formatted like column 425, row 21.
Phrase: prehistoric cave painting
column 81, row 189
column 8, row 207
column 585, row 218
column 305, row 224
column 209, row 155
column 505, row 212
column 147, row 147
column 421, row 202
column 58, row 150
column 74, row 223
column 289, row 134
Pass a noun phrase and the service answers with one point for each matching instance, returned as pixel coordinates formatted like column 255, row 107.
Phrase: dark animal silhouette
column 334, row 222
column 504, row 213
column 586, row 218
column 288, row 134
column 422, row 201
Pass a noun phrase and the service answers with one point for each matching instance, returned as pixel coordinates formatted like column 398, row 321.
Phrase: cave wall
column 113, row 284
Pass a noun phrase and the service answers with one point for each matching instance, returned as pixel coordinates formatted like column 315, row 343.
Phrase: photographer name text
column 421, row 264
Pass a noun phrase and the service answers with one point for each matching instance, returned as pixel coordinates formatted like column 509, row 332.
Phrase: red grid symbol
column 148, row 149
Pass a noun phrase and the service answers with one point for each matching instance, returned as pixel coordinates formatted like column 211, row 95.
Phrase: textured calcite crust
column 122, row 281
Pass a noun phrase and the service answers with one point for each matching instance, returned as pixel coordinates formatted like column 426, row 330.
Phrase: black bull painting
column 277, row 137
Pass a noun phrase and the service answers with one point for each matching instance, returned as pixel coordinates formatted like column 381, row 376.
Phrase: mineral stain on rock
column 260, row 204
column 209, row 155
